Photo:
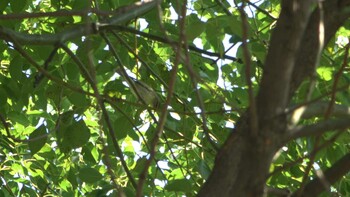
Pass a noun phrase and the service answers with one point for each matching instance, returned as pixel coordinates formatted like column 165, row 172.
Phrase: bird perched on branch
column 142, row 91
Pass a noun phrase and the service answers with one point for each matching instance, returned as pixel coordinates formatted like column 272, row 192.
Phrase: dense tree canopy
column 242, row 98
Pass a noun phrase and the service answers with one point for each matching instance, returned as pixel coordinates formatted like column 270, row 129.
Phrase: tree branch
column 248, row 72
column 163, row 114
column 336, row 81
column 318, row 128
column 172, row 42
column 126, row 14
column 335, row 14
column 261, row 10
column 317, row 109
column 280, row 60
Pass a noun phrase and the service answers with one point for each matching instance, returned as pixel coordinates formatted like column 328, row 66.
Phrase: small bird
column 142, row 91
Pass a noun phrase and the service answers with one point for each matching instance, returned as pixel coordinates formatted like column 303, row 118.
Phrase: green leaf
column 37, row 139
column 325, row 73
column 19, row 118
column 15, row 69
column 188, row 127
column 87, row 154
column 122, row 127
column 72, row 178
column 115, row 88
column 4, row 4
column 195, row 27
column 79, row 100
column 3, row 101
column 89, row 175
column 72, row 71
column 140, row 165
column 80, row 5
column 77, row 134
column 296, row 172
column 18, row 6
column 179, row 185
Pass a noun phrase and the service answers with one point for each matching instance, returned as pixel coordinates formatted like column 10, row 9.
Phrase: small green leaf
column 19, row 118
column 37, row 139
column 3, row 5
column 196, row 27
column 72, row 71
column 122, row 127
column 72, row 178
column 77, row 134
column 15, row 69
column 3, row 101
column 79, row 100
column 180, row 185
column 296, row 171
column 18, row 6
column 80, row 5
column 89, row 175
column 325, row 73
column 115, row 88
column 140, row 165
column 104, row 68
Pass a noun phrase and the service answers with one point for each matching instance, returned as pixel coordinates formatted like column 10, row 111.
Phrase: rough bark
column 284, row 44
column 241, row 166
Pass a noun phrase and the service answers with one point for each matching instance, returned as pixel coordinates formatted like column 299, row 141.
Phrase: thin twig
column 107, row 161
column 161, row 123
column 6, row 185
column 193, row 77
column 171, row 42
column 261, row 10
column 140, row 59
column 105, row 114
column 336, row 81
column 158, row 132
column 85, row 72
column 226, row 10
column 59, row 13
column 60, row 82
column 40, row 76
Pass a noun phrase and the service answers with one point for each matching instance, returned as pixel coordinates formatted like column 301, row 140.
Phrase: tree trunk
column 242, row 165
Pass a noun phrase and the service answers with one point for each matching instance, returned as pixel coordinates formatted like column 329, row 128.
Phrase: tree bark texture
column 242, row 164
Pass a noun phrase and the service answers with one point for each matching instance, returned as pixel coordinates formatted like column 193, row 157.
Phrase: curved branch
column 93, row 28
column 318, row 109
column 318, row 128
column 126, row 14
column 331, row 175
